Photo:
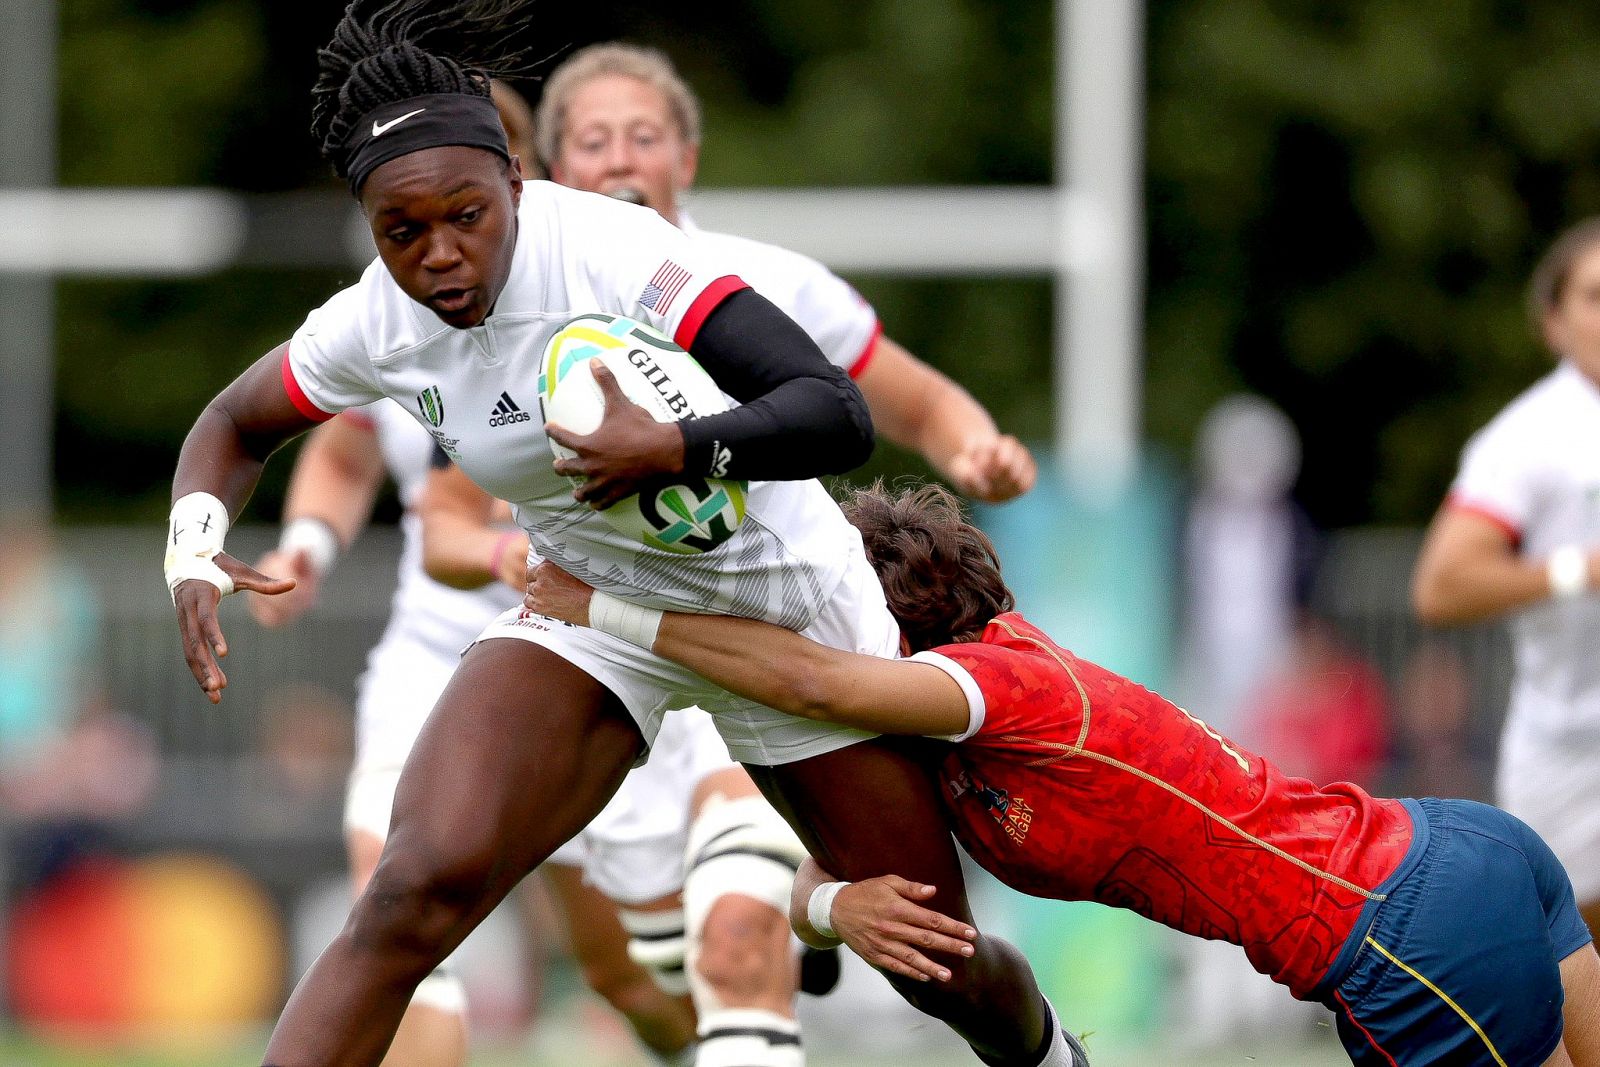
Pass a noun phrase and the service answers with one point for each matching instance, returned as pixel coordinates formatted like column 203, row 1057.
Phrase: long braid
column 388, row 50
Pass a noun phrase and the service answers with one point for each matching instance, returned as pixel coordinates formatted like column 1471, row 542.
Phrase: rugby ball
column 683, row 514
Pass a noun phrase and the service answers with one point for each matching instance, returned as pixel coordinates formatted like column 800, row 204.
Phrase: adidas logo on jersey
column 506, row 412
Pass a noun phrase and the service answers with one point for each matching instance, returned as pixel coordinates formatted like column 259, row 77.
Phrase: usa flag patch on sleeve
column 664, row 288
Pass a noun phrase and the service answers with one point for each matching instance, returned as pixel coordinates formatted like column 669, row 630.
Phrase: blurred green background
column 1344, row 198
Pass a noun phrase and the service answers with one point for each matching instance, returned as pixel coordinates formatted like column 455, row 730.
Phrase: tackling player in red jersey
column 1437, row 930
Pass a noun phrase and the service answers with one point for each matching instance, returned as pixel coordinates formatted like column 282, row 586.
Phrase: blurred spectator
column 1436, row 751
column 305, row 746
column 70, row 765
column 1249, row 554
column 1323, row 713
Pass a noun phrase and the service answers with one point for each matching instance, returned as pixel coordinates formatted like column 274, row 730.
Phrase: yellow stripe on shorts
column 1442, row 995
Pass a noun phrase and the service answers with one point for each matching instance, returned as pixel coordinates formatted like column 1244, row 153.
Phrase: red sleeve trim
column 859, row 367
column 1455, row 502
column 297, row 395
column 704, row 304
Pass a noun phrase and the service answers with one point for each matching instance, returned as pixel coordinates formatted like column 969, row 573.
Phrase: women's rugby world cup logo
column 431, row 404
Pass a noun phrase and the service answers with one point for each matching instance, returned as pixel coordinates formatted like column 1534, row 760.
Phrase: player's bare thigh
column 521, row 751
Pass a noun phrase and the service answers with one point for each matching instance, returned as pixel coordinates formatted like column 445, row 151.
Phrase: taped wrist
column 195, row 531
column 819, row 908
column 314, row 537
column 625, row 621
column 1568, row 572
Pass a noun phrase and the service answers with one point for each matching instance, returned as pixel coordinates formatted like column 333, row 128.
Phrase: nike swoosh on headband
column 380, row 128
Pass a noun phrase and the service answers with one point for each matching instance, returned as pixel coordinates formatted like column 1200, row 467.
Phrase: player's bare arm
column 331, row 493
column 1469, row 571
column 223, row 456
column 463, row 544
column 782, row 669
column 917, row 407
column 881, row 920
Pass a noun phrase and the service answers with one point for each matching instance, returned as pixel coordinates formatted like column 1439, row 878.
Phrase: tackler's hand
column 625, row 450
column 882, row 920
column 196, row 603
column 554, row 593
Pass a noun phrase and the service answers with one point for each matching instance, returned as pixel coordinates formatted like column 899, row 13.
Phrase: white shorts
column 633, row 850
column 854, row 618
column 1553, row 785
column 401, row 684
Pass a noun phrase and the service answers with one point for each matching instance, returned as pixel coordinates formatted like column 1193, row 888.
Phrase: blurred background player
column 618, row 119
column 1519, row 536
column 339, row 470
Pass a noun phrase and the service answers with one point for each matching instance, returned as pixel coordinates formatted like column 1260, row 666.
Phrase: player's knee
column 414, row 902
column 742, row 945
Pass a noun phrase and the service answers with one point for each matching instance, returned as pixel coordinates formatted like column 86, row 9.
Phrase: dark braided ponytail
column 388, row 50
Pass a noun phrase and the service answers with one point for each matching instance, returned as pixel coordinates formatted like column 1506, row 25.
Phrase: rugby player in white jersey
column 621, row 121
column 1519, row 536
column 541, row 721
column 337, row 475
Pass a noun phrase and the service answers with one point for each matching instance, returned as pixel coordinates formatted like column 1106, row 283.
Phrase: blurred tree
column 1345, row 200
column 1344, row 197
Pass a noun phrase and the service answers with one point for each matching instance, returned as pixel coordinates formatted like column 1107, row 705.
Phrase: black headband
column 419, row 122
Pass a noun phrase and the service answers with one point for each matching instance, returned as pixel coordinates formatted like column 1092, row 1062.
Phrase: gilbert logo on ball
column 684, row 514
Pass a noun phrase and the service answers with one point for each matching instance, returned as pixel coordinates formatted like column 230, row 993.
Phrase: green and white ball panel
column 683, row 515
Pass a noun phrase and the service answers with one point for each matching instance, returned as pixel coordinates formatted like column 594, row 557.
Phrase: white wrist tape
column 819, row 909
column 314, row 537
column 629, row 622
column 195, row 530
column 1568, row 571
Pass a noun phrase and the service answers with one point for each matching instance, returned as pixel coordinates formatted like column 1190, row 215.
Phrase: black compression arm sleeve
column 801, row 416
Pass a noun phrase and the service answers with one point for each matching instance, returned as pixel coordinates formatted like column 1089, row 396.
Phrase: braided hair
column 388, row 50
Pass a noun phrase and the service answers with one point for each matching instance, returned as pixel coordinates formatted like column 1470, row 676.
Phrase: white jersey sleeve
column 636, row 260
column 826, row 306
column 1500, row 472
column 328, row 368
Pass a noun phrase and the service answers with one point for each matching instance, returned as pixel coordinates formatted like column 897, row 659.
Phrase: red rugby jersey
column 1082, row 785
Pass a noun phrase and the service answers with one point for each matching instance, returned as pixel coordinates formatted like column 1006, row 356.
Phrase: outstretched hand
column 555, row 594
column 196, row 603
column 625, row 450
column 881, row 919
column 993, row 469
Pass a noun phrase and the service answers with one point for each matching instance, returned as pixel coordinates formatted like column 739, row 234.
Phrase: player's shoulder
column 1532, row 418
column 761, row 253
column 547, row 205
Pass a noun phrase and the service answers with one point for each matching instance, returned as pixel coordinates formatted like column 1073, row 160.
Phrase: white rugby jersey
column 441, row 618
column 826, row 306
column 576, row 252
column 1534, row 470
